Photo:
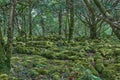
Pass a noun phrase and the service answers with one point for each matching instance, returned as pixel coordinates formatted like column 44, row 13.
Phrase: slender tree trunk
column 30, row 18
column 67, row 19
column 71, row 26
column 60, row 21
column 3, row 65
column 10, row 34
column 43, row 27
column 24, row 27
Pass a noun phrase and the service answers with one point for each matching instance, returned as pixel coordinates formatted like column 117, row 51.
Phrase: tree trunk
column 116, row 32
column 30, row 18
column 43, row 27
column 60, row 21
column 3, row 64
column 93, row 33
column 71, row 26
column 10, row 34
column 67, row 20
column 93, row 20
column 109, row 19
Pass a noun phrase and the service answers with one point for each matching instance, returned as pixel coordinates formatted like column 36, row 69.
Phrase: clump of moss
column 117, row 52
column 108, row 74
column 4, row 77
column 49, row 55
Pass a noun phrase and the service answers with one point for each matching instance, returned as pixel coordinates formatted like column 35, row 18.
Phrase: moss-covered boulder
column 4, row 77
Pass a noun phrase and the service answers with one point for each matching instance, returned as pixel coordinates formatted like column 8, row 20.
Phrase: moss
column 74, row 44
column 98, row 56
column 43, row 71
column 56, row 57
column 117, row 77
column 117, row 67
column 49, row 55
column 99, row 67
column 117, row 52
column 69, row 52
column 33, row 73
column 4, row 77
column 105, row 52
column 62, row 56
column 73, row 58
column 56, row 76
column 41, row 44
column 108, row 74
column 76, row 48
column 117, row 60
column 55, row 49
column 26, row 50
column 89, row 66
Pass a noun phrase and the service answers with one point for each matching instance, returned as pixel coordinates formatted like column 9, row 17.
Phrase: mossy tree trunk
column 3, row 64
column 71, row 26
column 93, row 20
column 10, row 35
column 30, row 18
column 60, row 20
column 93, row 32
column 109, row 19
column 43, row 26
column 67, row 19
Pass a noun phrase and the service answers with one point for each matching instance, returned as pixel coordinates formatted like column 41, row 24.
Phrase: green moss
column 108, row 74
column 89, row 66
column 117, row 52
column 4, row 77
column 62, row 56
column 117, row 67
column 99, row 67
column 33, row 73
column 98, row 57
column 117, row 60
column 43, row 71
column 56, row 76
column 105, row 52
column 49, row 55
column 55, row 49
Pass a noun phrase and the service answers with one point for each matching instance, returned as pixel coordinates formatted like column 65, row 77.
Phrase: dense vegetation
column 59, row 40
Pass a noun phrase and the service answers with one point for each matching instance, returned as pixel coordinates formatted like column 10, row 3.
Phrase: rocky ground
column 55, row 59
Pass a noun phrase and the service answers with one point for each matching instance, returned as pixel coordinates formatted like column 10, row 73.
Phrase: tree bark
column 93, row 22
column 109, row 19
column 43, row 27
column 60, row 21
column 10, row 34
column 71, row 26
column 3, row 65
column 30, row 18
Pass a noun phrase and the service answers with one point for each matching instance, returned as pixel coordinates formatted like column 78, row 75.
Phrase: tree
column 92, row 20
column 60, row 20
column 71, row 26
column 30, row 18
column 109, row 18
column 5, row 55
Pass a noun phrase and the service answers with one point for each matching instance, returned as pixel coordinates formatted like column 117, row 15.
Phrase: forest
column 59, row 39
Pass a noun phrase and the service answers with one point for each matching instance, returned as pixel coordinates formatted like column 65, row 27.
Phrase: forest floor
column 56, row 59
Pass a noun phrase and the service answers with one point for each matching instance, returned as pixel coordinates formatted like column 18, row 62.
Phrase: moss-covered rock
column 117, row 52
column 56, row 76
column 117, row 67
column 49, row 55
column 108, row 74
column 4, row 77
